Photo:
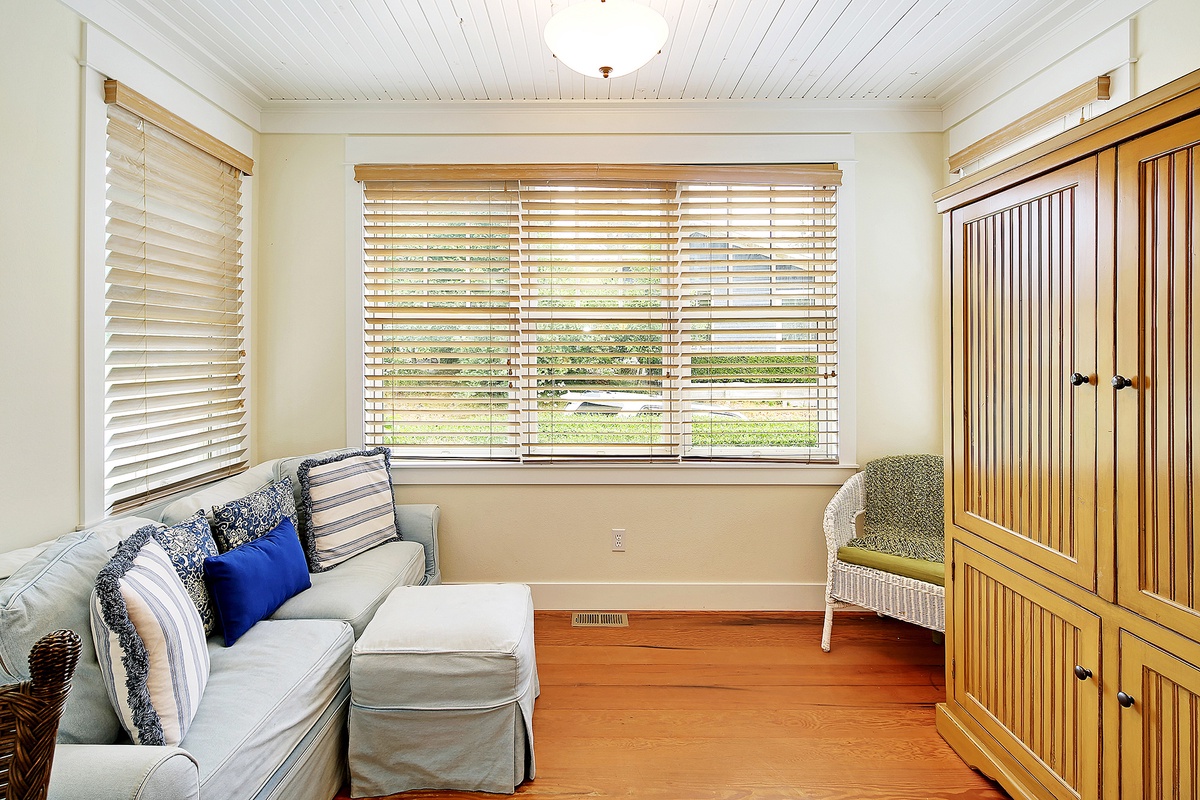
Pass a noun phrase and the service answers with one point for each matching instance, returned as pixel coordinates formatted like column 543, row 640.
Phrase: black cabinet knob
column 1125, row 700
column 1079, row 379
column 1120, row 382
column 1083, row 673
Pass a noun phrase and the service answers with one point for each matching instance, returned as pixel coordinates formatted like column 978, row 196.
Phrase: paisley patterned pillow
column 187, row 545
column 254, row 515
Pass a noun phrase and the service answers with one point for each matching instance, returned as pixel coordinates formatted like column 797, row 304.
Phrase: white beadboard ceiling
column 480, row 50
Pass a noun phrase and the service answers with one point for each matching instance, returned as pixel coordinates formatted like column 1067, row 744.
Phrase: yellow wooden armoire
column 1073, row 489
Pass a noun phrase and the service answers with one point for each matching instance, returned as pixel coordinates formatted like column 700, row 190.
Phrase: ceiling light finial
column 606, row 38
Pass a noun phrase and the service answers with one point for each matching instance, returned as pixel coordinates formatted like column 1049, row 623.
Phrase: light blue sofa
column 272, row 722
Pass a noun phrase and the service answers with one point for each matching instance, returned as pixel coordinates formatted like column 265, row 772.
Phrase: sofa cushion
column 346, row 506
column 13, row 560
column 187, row 545
column 250, row 581
column 357, row 587
column 52, row 592
column 223, row 491
column 264, row 695
column 149, row 641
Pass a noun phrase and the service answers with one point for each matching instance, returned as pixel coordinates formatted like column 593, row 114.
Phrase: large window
column 601, row 314
column 174, row 379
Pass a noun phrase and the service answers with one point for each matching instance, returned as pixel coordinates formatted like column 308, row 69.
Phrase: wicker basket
column 29, row 715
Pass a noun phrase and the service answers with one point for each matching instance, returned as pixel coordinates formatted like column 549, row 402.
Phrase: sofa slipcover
column 263, row 695
column 123, row 772
column 222, row 491
column 53, row 592
column 356, row 588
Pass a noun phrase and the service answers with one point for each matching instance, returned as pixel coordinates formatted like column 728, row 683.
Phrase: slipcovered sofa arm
column 123, row 772
column 419, row 523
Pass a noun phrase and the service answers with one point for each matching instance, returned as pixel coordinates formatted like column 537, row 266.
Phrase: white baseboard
column 679, row 596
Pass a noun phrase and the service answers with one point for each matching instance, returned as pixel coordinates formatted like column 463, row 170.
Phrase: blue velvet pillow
column 250, row 581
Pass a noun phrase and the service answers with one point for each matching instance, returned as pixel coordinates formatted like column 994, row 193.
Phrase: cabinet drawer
column 1016, row 646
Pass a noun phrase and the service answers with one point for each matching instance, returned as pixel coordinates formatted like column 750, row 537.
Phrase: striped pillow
column 346, row 506
column 149, row 642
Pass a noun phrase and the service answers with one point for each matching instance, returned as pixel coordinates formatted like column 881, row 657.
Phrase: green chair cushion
column 918, row 569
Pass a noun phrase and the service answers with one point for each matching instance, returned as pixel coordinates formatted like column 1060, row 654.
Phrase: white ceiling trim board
column 998, row 76
column 209, row 80
column 565, row 117
column 112, row 59
column 1107, row 55
column 599, row 148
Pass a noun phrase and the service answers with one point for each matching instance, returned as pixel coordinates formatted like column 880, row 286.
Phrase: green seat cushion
column 918, row 569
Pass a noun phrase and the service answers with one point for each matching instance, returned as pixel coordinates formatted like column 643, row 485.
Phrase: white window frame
column 105, row 57
column 650, row 148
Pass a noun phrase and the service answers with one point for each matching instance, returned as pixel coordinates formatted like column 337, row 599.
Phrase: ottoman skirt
column 442, row 685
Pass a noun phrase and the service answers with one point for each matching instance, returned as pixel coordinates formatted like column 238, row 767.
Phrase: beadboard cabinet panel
column 1015, row 673
column 1160, row 743
column 1158, row 350
column 1027, row 371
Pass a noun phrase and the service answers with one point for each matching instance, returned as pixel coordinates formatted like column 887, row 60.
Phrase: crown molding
column 182, row 61
column 601, row 117
column 998, row 76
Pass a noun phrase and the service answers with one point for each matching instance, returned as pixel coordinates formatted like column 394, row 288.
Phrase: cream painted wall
column 559, row 534
column 39, row 276
column 1165, row 43
column 899, row 295
column 299, row 379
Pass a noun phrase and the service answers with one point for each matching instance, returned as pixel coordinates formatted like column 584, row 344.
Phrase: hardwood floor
column 725, row 705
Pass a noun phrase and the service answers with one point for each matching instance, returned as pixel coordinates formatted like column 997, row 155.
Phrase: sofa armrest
column 419, row 523
column 123, row 772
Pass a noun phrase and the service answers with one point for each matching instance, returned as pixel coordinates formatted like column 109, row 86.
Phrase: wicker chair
column 916, row 601
column 29, row 714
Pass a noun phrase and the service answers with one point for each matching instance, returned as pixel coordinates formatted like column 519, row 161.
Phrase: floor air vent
column 588, row 619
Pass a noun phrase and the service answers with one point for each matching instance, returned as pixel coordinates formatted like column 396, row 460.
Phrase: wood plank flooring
column 739, row 706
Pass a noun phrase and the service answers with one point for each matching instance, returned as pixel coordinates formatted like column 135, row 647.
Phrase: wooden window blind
column 593, row 318
column 758, row 320
column 441, row 318
column 174, row 353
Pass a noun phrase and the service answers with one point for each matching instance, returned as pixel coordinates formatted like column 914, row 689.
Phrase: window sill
column 624, row 474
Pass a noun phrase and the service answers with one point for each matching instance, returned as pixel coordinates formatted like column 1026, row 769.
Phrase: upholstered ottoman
column 442, row 684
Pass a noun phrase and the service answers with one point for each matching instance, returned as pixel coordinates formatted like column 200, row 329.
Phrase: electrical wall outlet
column 618, row 540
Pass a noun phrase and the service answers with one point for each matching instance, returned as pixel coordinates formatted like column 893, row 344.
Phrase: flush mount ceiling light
column 606, row 38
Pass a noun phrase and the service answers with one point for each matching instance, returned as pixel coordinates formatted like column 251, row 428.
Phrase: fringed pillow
column 149, row 642
column 346, row 506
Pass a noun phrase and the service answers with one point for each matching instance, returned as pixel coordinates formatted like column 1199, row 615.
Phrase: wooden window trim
column 118, row 93
column 1077, row 98
column 809, row 174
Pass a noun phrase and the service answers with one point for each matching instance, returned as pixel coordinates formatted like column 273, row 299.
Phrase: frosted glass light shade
column 606, row 38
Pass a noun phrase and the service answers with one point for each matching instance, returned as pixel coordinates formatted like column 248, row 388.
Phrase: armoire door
column 1026, row 669
column 1031, row 345
column 1158, row 372
column 1159, row 719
